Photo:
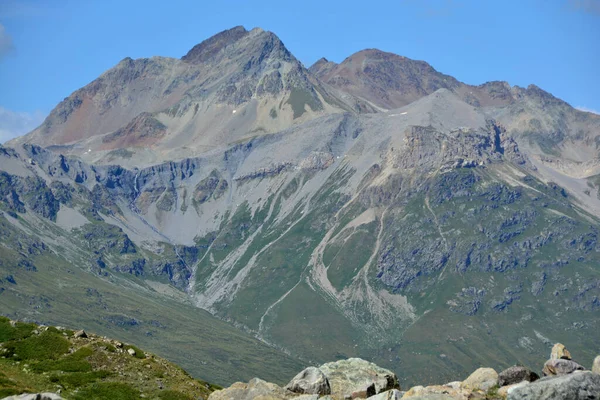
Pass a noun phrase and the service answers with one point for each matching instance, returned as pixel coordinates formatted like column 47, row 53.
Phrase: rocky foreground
column 355, row 378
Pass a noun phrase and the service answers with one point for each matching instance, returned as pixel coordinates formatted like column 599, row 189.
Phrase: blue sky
column 49, row 48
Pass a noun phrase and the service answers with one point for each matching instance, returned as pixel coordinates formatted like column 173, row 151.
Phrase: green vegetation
column 91, row 371
column 300, row 98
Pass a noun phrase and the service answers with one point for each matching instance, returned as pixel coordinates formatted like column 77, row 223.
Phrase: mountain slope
column 447, row 233
column 364, row 224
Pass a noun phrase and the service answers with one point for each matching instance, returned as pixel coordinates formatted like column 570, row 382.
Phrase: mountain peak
column 209, row 47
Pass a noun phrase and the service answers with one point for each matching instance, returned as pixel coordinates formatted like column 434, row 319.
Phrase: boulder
column 575, row 386
column 36, row 396
column 80, row 334
column 441, row 392
column 482, row 378
column 596, row 365
column 454, row 384
column 310, row 381
column 357, row 378
column 393, row 394
column 560, row 367
column 505, row 390
column 248, row 391
column 131, row 352
column 516, row 374
column 559, row 351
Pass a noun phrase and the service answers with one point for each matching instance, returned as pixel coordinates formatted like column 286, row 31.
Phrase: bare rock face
column 561, row 367
column 482, row 378
column 559, row 351
column 516, row 374
column 358, row 378
column 310, row 381
column 576, row 386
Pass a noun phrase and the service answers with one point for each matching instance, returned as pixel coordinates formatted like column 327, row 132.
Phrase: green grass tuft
column 47, row 345
column 108, row 391
column 173, row 395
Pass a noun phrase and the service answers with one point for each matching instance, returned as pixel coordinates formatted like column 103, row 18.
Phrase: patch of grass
column 173, row 395
column 5, row 392
column 21, row 330
column 79, row 379
column 299, row 98
column 108, row 391
column 47, row 345
column 72, row 363
column 138, row 353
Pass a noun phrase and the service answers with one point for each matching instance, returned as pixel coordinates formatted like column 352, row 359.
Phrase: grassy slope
column 39, row 359
column 126, row 309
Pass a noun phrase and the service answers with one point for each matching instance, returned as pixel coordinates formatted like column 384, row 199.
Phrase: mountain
column 388, row 212
column 234, row 85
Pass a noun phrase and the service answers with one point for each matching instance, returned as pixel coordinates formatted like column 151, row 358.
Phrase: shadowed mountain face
column 382, row 210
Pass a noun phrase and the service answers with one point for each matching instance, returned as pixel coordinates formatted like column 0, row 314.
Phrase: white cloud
column 586, row 109
column 13, row 123
column 6, row 43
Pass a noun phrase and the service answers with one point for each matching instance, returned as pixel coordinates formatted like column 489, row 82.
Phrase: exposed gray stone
column 393, row 394
column 80, row 334
column 516, row 374
column 34, row 396
column 560, row 367
column 310, row 381
column 358, row 378
column 482, row 378
column 560, row 351
column 596, row 365
column 575, row 386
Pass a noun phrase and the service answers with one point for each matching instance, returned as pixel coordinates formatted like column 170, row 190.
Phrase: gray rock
column 575, row 386
column 560, row 351
column 310, row 381
column 248, row 391
column 482, row 378
column 80, row 334
column 596, row 365
column 393, row 394
column 356, row 377
column 516, row 374
column 560, row 367
column 34, row 396
column 131, row 352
